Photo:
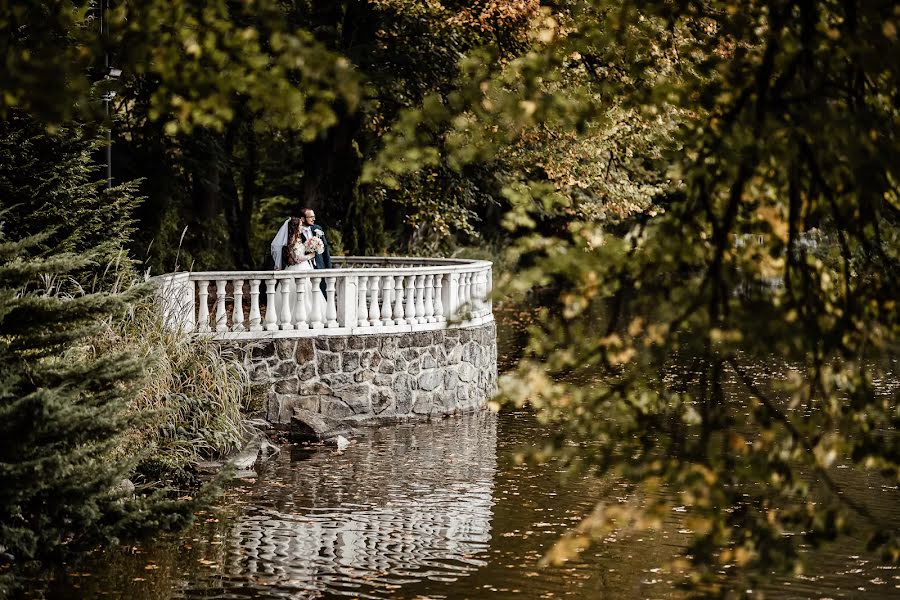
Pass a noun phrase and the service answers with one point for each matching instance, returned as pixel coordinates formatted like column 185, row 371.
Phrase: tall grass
column 191, row 396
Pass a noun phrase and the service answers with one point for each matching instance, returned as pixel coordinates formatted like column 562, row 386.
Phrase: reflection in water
column 408, row 503
column 440, row 510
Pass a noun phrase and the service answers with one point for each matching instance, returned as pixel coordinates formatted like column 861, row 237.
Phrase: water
column 436, row 510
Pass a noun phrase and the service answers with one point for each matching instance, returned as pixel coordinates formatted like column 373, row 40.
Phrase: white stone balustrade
column 363, row 296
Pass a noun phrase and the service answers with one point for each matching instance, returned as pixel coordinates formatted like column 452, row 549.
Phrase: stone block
column 372, row 342
column 470, row 353
column 356, row 397
column 305, row 351
column 383, row 380
column 389, row 347
column 286, row 405
column 284, row 348
column 423, row 403
column 338, row 380
column 272, row 407
column 328, row 362
column 321, row 343
column 405, row 340
column 284, row 370
column 350, row 361
column 467, row 372
column 310, row 426
column 367, row 375
column 401, row 363
column 387, row 366
column 306, row 371
column 316, row 388
column 430, row 380
column 356, row 342
column 423, row 339
column 428, row 362
column 263, row 350
column 337, row 344
column 454, row 357
column 334, row 408
column 414, row 368
column 411, row 354
column 381, row 399
column 259, row 373
column 287, row 386
column 402, row 394
column 448, row 402
column 451, row 380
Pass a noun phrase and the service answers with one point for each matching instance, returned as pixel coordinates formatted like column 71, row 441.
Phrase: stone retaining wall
column 376, row 378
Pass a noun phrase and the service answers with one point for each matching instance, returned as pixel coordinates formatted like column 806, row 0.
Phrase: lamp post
column 110, row 73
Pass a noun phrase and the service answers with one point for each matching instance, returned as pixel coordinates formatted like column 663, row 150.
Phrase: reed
column 188, row 405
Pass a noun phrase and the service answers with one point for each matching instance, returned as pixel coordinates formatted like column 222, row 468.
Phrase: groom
column 309, row 229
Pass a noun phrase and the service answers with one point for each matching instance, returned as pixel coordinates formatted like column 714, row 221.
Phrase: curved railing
column 363, row 295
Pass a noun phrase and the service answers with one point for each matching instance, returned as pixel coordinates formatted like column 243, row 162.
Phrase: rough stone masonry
column 375, row 378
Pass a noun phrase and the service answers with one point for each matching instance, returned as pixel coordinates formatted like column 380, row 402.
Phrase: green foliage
column 49, row 184
column 191, row 393
column 661, row 332
column 62, row 414
column 752, row 218
column 197, row 58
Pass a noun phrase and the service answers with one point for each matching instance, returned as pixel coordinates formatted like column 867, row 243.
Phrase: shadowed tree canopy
column 717, row 190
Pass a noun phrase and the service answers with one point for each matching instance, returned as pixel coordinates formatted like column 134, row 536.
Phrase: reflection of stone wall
column 404, row 504
column 376, row 377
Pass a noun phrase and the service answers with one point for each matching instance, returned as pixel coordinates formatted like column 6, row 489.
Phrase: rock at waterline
column 307, row 426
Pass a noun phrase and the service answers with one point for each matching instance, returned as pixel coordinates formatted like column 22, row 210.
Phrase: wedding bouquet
column 315, row 244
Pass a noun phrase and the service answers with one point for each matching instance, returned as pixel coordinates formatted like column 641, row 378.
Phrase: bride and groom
column 300, row 245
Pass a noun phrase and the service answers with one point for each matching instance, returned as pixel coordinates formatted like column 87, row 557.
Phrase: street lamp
column 111, row 73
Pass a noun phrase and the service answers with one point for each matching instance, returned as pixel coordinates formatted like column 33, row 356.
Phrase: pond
column 435, row 510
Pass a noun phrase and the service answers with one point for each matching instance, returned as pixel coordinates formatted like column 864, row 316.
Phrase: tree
column 49, row 184
column 772, row 237
column 62, row 414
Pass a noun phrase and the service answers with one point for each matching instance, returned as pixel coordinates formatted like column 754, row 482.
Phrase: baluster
column 254, row 305
column 420, row 303
column 438, row 304
column 203, row 298
column 468, row 289
column 461, row 290
column 221, row 317
column 398, row 301
column 271, row 316
column 387, row 300
column 481, row 292
column 489, row 291
column 237, row 315
column 362, row 312
column 331, row 305
column 429, row 299
column 473, row 294
column 318, row 321
column 410, row 312
column 286, row 285
column 301, row 315
column 374, row 313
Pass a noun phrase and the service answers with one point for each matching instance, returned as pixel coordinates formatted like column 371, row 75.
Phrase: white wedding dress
column 295, row 309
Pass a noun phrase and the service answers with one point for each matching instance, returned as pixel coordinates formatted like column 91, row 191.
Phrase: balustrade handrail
column 395, row 294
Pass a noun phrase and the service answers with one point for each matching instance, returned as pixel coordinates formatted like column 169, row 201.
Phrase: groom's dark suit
column 320, row 261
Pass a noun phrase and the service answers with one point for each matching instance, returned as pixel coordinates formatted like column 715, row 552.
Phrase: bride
column 298, row 259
